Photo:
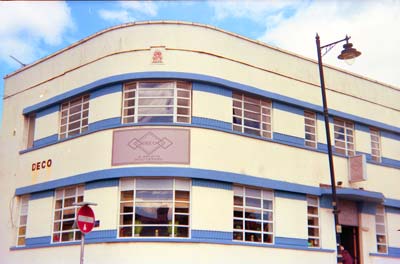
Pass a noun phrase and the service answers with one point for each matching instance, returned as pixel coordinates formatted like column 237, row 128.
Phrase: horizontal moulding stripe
column 211, row 80
column 203, row 174
column 202, row 122
column 198, row 236
column 212, row 184
column 200, row 174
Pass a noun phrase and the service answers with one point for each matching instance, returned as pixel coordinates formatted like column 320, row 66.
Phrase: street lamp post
column 348, row 53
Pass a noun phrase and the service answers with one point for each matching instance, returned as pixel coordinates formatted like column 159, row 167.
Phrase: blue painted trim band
column 291, row 242
column 211, row 123
column 367, row 208
column 390, row 162
column 392, row 203
column 201, row 78
column 212, row 184
column 286, row 139
column 325, row 201
column 291, row 195
column 361, row 127
column 46, row 141
column 203, row 123
column 37, row 241
column 213, row 235
column 106, row 236
column 289, row 108
column 390, row 135
column 394, row 251
column 101, row 235
column 41, row 195
column 48, row 111
column 101, row 91
column 170, row 172
column 392, row 210
column 384, row 255
column 356, row 194
column 101, row 184
column 105, row 124
column 204, row 87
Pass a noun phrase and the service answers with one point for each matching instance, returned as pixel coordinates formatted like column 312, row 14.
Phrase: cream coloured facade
column 192, row 143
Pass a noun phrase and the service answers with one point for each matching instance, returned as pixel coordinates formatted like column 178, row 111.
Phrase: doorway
column 350, row 240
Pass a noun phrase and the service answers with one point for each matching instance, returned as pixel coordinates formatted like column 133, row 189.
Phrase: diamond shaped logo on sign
column 149, row 143
column 85, row 219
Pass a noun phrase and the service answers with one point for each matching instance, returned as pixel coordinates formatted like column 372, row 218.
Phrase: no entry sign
column 85, row 219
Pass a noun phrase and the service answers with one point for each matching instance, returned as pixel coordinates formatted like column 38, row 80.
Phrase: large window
column 154, row 207
column 253, row 215
column 313, row 221
column 157, row 101
column 344, row 137
column 22, row 220
column 74, row 116
column 375, row 144
column 380, row 224
column 64, row 228
column 310, row 129
column 252, row 115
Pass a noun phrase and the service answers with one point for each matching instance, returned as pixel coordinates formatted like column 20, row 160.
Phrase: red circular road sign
column 85, row 219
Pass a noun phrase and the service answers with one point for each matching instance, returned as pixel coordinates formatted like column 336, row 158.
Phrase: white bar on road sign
column 86, row 219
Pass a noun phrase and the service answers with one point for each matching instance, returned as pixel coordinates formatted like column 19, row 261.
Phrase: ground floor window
column 64, row 227
column 22, row 220
column 253, row 215
column 313, row 221
column 154, row 207
column 380, row 223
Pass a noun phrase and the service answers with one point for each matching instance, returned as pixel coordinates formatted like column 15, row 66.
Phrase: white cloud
column 115, row 15
column 128, row 11
column 25, row 26
column 256, row 10
column 371, row 24
column 292, row 25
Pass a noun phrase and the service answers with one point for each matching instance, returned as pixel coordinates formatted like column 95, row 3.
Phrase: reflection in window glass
column 74, row 116
column 344, row 139
column 310, row 127
column 251, row 115
column 64, row 228
column 154, row 207
column 156, row 101
column 252, row 215
column 313, row 221
column 22, row 220
column 380, row 224
column 375, row 145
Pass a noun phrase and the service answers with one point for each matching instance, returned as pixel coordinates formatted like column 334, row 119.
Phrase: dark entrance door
column 350, row 241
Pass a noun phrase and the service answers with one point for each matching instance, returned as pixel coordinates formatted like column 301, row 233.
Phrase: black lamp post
column 348, row 53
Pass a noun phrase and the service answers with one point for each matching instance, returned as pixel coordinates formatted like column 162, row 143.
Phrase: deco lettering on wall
column 157, row 145
column 41, row 169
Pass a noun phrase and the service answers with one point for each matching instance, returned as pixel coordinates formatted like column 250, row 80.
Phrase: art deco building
column 198, row 146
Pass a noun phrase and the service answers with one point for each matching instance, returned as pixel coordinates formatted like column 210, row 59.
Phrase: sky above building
column 32, row 30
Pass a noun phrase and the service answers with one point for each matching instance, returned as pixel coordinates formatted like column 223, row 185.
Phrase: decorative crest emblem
column 157, row 56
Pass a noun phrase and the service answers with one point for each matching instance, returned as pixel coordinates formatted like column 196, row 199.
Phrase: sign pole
column 82, row 247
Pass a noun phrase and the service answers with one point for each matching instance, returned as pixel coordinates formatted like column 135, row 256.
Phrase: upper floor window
column 156, row 101
column 154, row 208
column 30, row 121
column 22, row 220
column 313, row 221
column 65, row 212
column 253, row 215
column 252, row 115
column 344, row 137
column 375, row 144
column 74, row 116
column 380, row 223
column 310, row 129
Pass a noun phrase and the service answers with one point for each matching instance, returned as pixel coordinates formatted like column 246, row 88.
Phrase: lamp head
column 348, row 52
